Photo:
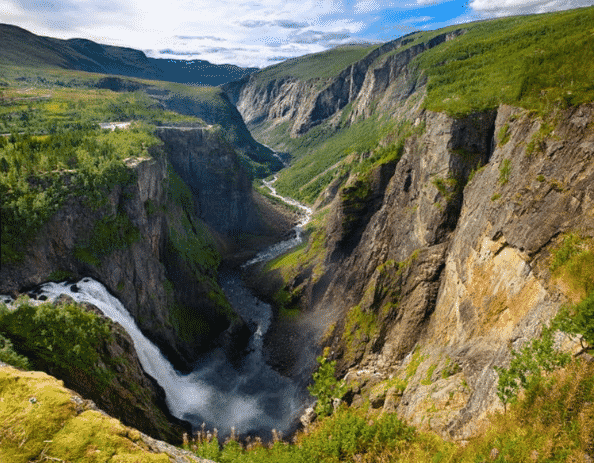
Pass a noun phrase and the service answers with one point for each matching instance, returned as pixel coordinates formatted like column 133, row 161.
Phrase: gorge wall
column 437, row 263
column 156, row 243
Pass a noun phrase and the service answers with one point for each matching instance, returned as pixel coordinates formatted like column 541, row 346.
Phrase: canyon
column 426, row 256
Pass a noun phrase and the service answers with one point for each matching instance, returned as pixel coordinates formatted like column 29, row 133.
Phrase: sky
column 252, row 33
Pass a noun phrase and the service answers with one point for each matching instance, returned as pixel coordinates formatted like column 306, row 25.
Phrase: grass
column 572, row 262
column 322, row 154
column 315, row 66
column 533, row 61
column 504, row 171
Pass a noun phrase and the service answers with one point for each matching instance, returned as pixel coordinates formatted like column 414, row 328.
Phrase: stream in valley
column 250, row 397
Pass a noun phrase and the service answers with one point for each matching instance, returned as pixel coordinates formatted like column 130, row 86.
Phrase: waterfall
column 253, row 398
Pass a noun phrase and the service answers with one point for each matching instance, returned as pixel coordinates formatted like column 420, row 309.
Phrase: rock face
column 453, row 265
column 221, row 187
column 436, row 264
column 305, row 104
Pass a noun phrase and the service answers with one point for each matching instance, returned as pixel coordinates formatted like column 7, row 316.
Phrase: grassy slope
column 315, row 66
column 23, row 48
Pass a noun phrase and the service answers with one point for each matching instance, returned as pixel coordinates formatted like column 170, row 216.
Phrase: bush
column 10, row 356
column 579, row 320
column 526, row 367
column 57, row 336
column 326, row 387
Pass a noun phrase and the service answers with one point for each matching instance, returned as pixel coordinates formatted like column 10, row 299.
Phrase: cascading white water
column 252, row 398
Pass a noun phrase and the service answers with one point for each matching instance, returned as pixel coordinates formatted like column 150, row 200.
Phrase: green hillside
column 23, row 48
column 537, row 62
column 316, row 66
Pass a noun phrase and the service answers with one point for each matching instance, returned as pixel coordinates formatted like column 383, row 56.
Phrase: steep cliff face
column 265, row 103
column 150, row 249
column 452, row 268
column 221, row 188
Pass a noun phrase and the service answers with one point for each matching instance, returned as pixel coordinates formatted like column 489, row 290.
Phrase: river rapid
column 248, row 396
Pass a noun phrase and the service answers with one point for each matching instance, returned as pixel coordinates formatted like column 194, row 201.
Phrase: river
column 250, row 397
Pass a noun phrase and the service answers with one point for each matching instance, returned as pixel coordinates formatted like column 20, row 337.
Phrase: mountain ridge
column 23, row 48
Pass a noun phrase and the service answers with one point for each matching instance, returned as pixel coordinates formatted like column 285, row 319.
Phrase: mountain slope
column 22, row 48
column 531, row 62
column 438, row 216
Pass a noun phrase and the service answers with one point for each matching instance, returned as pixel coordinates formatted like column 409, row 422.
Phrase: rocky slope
column 451, row 268
column 436, row 262
column 268, row 102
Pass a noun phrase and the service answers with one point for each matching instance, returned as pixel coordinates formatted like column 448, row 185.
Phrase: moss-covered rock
column 42, row 420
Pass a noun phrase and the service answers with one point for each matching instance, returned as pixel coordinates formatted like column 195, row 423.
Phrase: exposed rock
column 458, row 268
column 305, row 104
column 221, row 187
column 308, row 417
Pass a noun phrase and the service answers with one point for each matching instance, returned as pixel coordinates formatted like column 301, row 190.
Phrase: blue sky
column 252, row 32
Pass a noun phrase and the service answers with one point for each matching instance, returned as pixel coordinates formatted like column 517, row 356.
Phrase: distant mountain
column 23, row 48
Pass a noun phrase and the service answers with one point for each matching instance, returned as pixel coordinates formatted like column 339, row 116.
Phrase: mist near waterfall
column 250, row 397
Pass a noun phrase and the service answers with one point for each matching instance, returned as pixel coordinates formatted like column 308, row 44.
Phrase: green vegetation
column 360, row 326
column 62, row 153
column 528, row 365
column 414, row 363
column 47, row 108
column 573, row 263
column 534, row 61
column 10, row 356
column 325, row 153
column 62, row 337
column 504, row 171
column 345, row 436
column 315, row 66
column 326, row 387
column 427, row 380
column 578, row 320
column 40, row 423
column 320, row 151
column 504, row 134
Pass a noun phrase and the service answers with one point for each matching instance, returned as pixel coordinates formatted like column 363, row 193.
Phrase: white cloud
column 243, row 32
column 366, row 6
column 489, row 8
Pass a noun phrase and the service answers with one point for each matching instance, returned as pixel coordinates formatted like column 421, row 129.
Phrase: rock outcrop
column 45, row 421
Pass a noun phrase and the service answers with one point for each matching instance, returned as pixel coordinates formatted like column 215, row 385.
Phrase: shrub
column 526, row 367
column 579, row 320
column 10, row 356
column 326, row 387
column 58, row 336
